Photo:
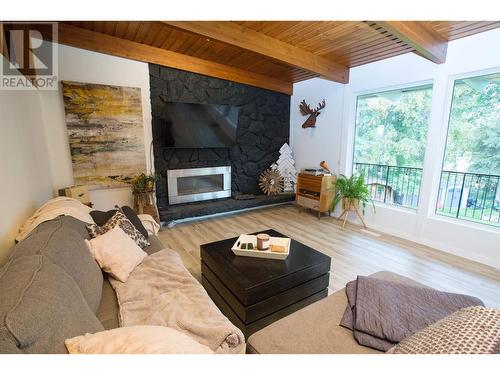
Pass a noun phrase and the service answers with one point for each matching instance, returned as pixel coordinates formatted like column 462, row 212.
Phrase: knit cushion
column 471, row 330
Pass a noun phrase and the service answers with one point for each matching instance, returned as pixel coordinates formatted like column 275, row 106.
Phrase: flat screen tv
column 190, row 125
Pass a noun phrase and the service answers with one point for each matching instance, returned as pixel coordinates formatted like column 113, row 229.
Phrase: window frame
column 351, row 136
column 443, row 141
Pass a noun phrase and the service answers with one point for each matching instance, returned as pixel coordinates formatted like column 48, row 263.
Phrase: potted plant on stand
column 143, row 188
column 353, row 192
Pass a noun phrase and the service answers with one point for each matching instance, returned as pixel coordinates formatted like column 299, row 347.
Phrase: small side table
column 315, row 192
column 78, row 192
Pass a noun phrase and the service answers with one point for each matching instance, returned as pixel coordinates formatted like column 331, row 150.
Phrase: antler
column 320, row 106
column 305, row 109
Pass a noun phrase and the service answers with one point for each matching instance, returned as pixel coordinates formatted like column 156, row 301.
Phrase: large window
column 470, row 181
column 390, row 139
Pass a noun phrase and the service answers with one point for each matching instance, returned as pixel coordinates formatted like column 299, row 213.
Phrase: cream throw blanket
column 52, row 209
column 161, row 291
column 149, row 223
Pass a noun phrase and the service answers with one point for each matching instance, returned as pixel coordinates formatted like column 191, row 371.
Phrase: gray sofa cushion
column 41, row 307
column 8, row 344
column 62, row 241
column 155, row 245
column 108, row 313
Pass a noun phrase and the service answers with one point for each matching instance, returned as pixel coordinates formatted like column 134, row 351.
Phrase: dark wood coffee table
column 254, row 292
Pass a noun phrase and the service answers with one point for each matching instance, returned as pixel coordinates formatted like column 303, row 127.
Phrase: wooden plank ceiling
column 269, row 54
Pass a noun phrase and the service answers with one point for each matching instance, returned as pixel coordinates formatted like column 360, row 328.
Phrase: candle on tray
column 262, row 241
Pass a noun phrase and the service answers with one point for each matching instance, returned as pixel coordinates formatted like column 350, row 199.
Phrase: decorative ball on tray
column 271, row 182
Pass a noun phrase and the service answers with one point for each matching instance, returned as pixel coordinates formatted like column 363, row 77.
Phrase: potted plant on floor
column 352, row 191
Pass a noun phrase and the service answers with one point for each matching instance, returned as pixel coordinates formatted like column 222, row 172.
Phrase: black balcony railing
column 392, row 184
column 470, row 196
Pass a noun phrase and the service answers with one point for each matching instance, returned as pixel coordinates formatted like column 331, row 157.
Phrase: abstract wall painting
column 106, row 135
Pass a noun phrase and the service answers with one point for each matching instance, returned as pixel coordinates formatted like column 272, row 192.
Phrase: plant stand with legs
column 350, row 205
column 352, row 192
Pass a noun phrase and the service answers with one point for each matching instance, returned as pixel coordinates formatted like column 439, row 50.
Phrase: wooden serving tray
column 249, row 238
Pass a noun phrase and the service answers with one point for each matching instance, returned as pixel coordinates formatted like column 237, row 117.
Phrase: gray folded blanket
column 381, row 313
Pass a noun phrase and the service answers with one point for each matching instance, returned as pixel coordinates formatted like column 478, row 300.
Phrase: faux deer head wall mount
column 306, row 110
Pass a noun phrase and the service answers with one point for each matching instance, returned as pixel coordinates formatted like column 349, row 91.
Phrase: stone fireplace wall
column 263, row 127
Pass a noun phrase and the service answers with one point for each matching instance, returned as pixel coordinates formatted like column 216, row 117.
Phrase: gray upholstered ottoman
column 314, row 329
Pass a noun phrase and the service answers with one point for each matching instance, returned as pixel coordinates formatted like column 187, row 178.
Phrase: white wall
column 34, row 149
column 26, row 180
column 85, row 66
column 472, row 55
column 312, row 145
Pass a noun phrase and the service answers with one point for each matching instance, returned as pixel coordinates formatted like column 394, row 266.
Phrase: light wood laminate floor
column 353, row 252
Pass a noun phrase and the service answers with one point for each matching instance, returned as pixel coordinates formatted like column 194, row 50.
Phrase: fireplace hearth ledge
column 196, row 210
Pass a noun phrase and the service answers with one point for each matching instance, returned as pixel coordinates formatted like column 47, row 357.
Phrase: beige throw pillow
column 136, row 340
column 116, row 253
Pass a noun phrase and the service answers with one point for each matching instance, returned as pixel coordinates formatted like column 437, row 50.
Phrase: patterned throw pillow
column 471, row 330
column 101, row 217
column 121, row 220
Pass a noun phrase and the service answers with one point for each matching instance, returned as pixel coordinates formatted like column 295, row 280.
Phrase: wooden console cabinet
column 315, row 192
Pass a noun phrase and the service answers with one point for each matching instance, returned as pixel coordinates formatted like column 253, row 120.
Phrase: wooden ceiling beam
column 94, row 41
column 427, row 42
column 240, row 36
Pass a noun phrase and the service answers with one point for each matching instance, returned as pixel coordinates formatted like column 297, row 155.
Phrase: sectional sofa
column 52, row 289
